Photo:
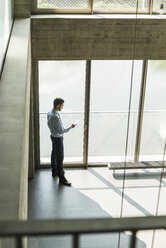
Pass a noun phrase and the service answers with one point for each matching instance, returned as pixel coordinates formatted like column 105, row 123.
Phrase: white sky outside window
column 110, row 89
column 65, row 79
column 154, row 119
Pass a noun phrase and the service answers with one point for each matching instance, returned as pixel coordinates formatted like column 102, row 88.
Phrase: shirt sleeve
column 65, row 130
column 62, row 129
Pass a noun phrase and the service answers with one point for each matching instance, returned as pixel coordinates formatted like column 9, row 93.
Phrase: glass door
column 109, row 103
column 154, row 117
column 65, row 79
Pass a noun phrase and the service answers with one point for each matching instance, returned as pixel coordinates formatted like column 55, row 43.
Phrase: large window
column 159, row 6
column 113, row 109
column 103, row 6
column 121, row 5
column 110, row 93
column 65, row 79
column 154, row 119
column 64, row 4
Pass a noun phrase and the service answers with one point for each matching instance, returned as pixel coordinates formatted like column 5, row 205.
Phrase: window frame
column 36, row 10
column 85, row 162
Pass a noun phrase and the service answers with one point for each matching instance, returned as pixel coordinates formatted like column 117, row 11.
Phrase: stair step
column 135, row 165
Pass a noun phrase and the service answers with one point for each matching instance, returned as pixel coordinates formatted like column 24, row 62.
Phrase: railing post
column 86, row 115
column 36, row 123
column 75, row 240
column 133, row 240
column 19, row 242
column 141, row 110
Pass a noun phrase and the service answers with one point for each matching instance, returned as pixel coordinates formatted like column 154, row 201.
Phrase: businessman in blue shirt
column 57, row 131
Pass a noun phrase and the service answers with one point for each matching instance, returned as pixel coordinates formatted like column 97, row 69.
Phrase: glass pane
column 157, row 5
column 6, row 20
column 154, row 119
column 110, row 89
column 65, row 79
column 160, row 238
column 64, row 4
column 145, row 239
column 121, row 5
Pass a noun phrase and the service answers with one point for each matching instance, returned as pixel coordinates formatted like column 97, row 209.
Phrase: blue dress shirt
column 55, row 124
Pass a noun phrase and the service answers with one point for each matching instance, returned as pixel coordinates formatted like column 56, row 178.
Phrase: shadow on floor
column 49, row 200
column 119, row 192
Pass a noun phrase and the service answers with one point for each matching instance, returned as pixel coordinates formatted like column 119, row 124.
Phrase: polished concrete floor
column 97, row 192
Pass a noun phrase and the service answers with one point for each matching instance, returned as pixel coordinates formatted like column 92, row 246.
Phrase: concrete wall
column 14, row 125
column 98, row 38
column 22, row 8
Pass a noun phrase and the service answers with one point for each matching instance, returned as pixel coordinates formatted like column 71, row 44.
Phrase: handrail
column 105, row 112
column 79, row 226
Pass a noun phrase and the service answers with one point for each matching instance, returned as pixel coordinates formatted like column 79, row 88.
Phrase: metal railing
column 76, row 227
column 108, row 112
column 153, row 121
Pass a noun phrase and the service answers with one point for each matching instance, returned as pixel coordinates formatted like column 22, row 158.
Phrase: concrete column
column 14, row 126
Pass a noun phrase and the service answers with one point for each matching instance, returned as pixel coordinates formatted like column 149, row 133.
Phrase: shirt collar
column 55, row 111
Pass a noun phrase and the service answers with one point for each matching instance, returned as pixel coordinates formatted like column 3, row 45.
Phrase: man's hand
column 73, row 125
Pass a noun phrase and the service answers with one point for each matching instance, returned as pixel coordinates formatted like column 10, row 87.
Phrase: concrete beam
column 98, row 38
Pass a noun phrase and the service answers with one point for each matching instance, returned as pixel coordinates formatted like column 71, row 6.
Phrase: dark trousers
column 57, row 156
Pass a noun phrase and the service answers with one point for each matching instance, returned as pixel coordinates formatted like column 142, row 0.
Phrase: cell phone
column 76, row 122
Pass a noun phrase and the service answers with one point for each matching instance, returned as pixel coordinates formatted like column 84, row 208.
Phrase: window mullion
column 86, row 116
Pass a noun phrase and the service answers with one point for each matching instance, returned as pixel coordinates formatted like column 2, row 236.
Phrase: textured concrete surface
column 14, row 125
column 98, row 38
column 22, row 8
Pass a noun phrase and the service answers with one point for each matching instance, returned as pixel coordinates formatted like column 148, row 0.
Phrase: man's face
column 61, row 107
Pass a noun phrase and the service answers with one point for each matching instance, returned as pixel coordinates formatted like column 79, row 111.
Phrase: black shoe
column 64, row 181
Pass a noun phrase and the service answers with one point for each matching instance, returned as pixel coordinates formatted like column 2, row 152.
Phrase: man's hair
column 58, row 101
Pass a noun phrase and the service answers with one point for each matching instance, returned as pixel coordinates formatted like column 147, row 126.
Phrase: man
column 57, row 130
